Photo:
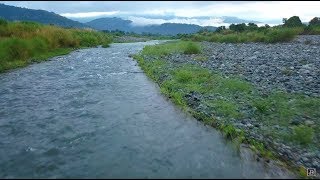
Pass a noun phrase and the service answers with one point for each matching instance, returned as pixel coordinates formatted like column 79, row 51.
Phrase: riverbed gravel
column 293, row 67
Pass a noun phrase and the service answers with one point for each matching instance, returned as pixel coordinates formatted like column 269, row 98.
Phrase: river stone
column 309, row 123
column 296, row 121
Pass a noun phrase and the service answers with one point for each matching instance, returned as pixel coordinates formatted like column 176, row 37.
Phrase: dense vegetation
column 241, row 33
column 24, row 42
column 118, row 33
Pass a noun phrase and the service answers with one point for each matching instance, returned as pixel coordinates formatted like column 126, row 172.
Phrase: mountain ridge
column 13, row 13
column 116, row 23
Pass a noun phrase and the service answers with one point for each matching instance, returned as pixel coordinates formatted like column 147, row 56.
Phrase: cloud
column 89, row 14
column 263, row 11
column 142, row 21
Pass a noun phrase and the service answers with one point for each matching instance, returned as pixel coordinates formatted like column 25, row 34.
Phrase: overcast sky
column 145, row 12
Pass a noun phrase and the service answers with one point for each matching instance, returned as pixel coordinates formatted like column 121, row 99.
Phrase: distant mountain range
column 13, row 13
column 116, row 23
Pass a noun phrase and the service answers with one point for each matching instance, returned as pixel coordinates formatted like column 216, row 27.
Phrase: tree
column 293, row 21
column 315, row 21
column 221, row 28
column 238, row 27
column 232, row 27
column 284, row 20
column 203, row 30
column 252, row 26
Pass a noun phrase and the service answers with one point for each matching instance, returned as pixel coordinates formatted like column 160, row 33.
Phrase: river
column 94, row 114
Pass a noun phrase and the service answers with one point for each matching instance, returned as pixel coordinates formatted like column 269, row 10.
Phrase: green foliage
column 3, row 22
column 312, row 30
column 192, row 48
column 263, row 105
column 238, row 27
column 106, row 45
column 314, row 22
column 229, row 131
column 226, row 108
column 267, row 35
column 282, row 35
column 201, row 58
column 220, row 29
column 303, row 134
column 183, row 75
column 236, row 85
column 172, row 47
column 22, row 41
column 293, row 21
column 242, row 33
column 259, row 147
column 14, row 49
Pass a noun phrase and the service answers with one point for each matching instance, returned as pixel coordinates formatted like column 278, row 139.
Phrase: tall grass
column 271, row 35
column 22, row 41
column 186, row 47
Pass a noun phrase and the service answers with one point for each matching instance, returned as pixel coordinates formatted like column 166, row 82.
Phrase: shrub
column 183, row 75
column 314, row 22
column 303, row 134
column 192, row 48
column 281, row 35
column 262, row 105
column 106, row 45
column 293, row 21
column 3, row 22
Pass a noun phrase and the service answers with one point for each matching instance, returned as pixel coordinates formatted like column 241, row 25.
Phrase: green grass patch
column 106, row 45
column 192, row 48
column 303, row 135
column 225, row 108
column 161, row 50
column 201, row 58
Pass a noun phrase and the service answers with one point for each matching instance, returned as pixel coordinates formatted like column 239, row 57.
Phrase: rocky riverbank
column 292, row 68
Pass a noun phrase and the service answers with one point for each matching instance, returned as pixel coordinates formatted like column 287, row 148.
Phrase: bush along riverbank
column 277, row 124
column 240, row 33
column 22, row 43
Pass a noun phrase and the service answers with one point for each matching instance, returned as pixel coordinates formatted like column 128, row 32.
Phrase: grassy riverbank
column 266, row 35
column 22, row 43
column 255, row 34
column 223, row 101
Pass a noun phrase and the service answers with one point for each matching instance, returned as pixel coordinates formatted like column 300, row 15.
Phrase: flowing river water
column 94, row 114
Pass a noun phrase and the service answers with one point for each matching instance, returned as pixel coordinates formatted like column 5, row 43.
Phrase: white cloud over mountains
column 142, row 21
column 89, row 14
column 270, row 12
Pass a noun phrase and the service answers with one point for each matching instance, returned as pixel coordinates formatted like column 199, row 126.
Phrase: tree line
column 292, row 22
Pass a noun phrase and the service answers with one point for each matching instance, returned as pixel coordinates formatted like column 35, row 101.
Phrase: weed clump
column 303, row 134
column 192, row 48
